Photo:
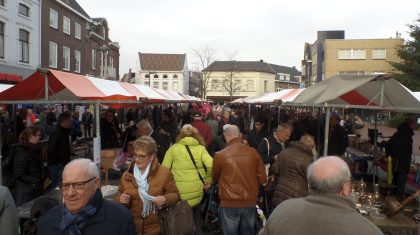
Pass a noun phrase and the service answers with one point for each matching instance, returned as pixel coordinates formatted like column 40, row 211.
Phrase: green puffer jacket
column 185, row 174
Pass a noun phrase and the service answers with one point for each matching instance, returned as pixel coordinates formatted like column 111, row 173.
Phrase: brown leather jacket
column 161, row 183
column 290, row 168
column 239, row 170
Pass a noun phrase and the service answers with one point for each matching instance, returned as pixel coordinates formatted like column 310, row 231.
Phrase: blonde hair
column 145, row 143
column 190, row 131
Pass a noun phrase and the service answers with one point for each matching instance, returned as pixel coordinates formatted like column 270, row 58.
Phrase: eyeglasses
column 76, row 185
column 140, row 156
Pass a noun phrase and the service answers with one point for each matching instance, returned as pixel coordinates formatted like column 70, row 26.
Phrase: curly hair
column 190, row 131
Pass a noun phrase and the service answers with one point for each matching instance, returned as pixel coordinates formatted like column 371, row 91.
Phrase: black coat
column 59, row 146
column 163, row 144
column 401, row 148
column 111, row 218
column 109, row 138
column 27, row 172
column 254, row 139
column 267, row 153
column 337, row 141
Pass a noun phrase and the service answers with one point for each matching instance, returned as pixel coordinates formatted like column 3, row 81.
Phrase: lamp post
column 150, row 73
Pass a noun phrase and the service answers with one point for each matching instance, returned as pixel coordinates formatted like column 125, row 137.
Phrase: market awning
column 286, row 95
column 369, row 90
column 10, row 77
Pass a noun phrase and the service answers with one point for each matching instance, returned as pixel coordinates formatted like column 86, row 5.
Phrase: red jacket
column 204, row 130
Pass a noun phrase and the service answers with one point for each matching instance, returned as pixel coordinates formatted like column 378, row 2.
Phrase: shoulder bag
column 177, row 220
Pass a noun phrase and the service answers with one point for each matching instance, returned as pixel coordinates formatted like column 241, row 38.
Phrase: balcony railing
column 107, row 72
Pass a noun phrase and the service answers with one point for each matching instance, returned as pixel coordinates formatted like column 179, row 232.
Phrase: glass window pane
column 23, row 10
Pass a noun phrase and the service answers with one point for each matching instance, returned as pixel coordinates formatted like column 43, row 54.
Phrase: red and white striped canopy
column 73, row 87
column 286, row 95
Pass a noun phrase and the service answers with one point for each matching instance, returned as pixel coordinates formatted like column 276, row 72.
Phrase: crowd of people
column 257, row 157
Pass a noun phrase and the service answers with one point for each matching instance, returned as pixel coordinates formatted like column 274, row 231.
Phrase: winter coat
column 59, row 146
column 268, row 148
column 161, row 183
column 290, row 169
column 214, row 126
column 110, row 218
column 185, row 173
column 27, row 172
column 239, row 171
column 318, row 214
column 337, row 141
column 9, row 222
column 254, row 138
column 204, row 130
column 401, row 148
column 109, row 138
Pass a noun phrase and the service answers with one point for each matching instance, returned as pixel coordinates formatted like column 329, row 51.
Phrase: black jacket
column 109, row 138
column 254, row 139
column 111, row 218
column 267, row 151
column 27, row 172
column 401, row 148
column 59, row 146
column 337, row 141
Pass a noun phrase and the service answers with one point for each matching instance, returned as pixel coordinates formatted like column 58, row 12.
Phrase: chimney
column 261, row 60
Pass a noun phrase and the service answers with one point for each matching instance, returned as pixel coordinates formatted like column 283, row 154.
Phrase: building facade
column 333, row 55
column 74, row 42
column 235, row 79
column 163, row 71
column 20, row 39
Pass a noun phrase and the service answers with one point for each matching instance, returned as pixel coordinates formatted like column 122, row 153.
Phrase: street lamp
column 149, row 76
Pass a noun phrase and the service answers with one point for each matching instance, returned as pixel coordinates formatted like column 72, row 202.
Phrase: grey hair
column 283, row 126
column 231, row 130
column 144, row 123
column 331, row 184
column 92, row 169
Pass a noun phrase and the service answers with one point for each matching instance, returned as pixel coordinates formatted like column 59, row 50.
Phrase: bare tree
column 205, row 56
column 231, row 82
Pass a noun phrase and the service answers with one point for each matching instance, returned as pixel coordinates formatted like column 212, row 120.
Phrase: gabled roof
column 252, row 66
column 75, row 6
column 162, row 62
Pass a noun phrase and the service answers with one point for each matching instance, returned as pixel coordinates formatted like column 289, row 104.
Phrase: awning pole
column 381, row 97
column 46, row 86
column 98, row 133
column 327, row 130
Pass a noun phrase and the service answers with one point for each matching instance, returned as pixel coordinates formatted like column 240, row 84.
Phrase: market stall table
column 400, row 224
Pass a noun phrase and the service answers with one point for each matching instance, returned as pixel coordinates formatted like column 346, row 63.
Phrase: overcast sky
column 272, row 30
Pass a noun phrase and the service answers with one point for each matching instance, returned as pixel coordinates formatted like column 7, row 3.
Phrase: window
column 165, row 86
column 156, row 85
column 52, row 60
column 351, row 73
column 2, row 40
column 351, row 54
column 214, row 85
column 93, row 59
column 23, row 10
column 53, row 18
column 23, row 46
column 111, row 62
column 379, row 54
column 66, row 58
column 175, row 76
column 175, row 86
column 1, row 2
column 265, row 86
column 155, row 76
column 146, row 83
column 77, row 61
column 77, row 30
column 249, row 85
column 165, row 76
column 66, row 25
column 146, row 76
column 237, row 85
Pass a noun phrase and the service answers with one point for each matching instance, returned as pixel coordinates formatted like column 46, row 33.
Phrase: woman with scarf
column 146, row 187
column 27, row 166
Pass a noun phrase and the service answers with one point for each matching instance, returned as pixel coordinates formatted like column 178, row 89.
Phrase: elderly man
column 239, row 171
column 163, row 142
column 273, row 144
column 85, row 211
column 327, row 210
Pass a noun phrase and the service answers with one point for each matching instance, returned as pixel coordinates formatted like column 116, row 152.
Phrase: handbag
column 177, row 220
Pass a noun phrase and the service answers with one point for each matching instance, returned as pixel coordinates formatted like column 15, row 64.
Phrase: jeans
column 56, row 172
column 238, row 221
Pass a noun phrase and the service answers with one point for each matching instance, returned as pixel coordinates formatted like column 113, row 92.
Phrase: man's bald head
column 328, row 175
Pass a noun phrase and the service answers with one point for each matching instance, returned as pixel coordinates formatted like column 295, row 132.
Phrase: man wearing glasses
column 85, row 211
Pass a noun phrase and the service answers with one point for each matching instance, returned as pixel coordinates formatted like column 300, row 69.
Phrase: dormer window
column 146, row 76
column 175, row 76
column 156, row 76
column 165, row 76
